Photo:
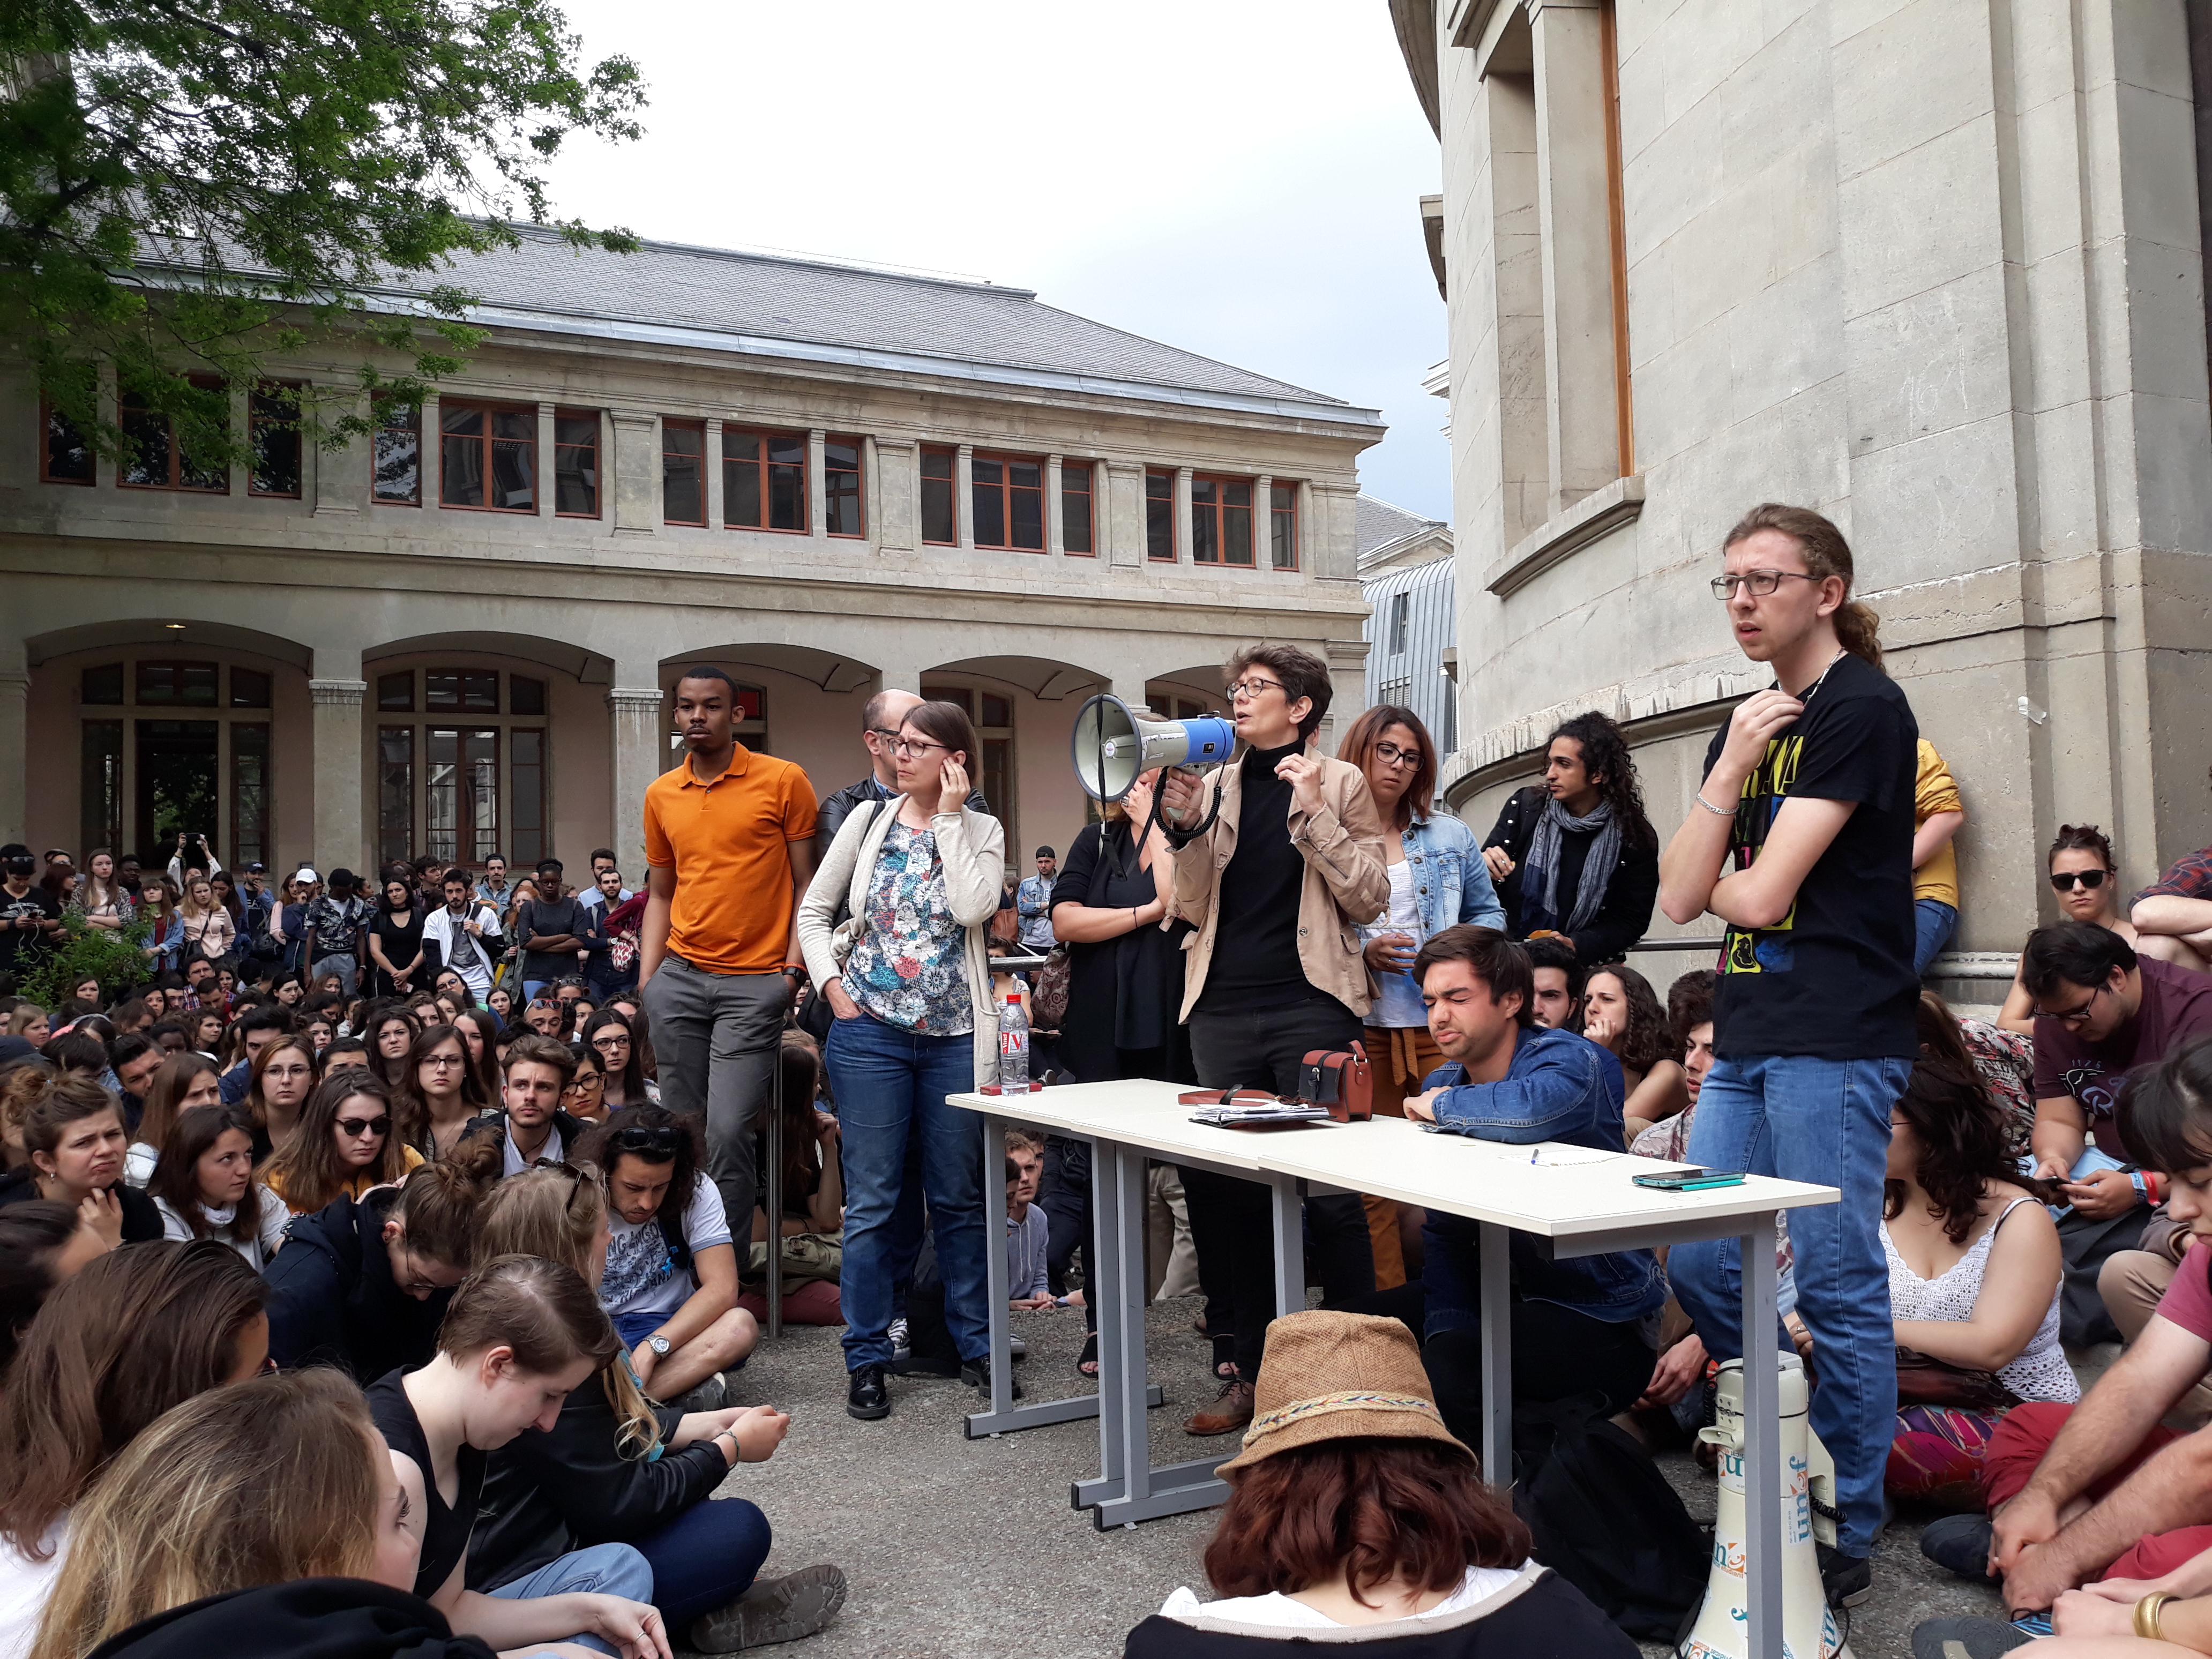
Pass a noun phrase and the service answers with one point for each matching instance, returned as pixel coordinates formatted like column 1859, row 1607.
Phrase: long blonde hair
column 554, row 1213
column 260, row 1482
column 1826, row 554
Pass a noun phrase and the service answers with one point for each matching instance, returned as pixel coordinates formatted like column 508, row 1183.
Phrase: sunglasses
column 353, row 1128
column 2064, row 880
column 640, row 1139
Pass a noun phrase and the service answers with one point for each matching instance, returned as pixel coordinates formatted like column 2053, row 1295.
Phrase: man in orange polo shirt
column 729, row 851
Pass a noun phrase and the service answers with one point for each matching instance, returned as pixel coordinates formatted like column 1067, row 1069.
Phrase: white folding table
column 1582, row 1201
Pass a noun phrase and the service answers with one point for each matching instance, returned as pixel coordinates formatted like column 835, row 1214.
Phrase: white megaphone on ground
column 1809, row 1629
column 1114, row 748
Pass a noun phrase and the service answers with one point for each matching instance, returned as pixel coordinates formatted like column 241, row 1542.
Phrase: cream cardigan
column 971, row 847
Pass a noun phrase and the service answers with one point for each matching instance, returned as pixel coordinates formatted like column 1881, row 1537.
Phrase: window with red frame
column 1159, row 517
column 398, row 478
column 841, row 486
column 940, row 527
column 1007, row 492
column 1283, row 529
column 272, row 418
column 487, row 460
column 684, row 472
column 157, row 460
column 1075, row 531
column 64, row 457
column 763, row 480
column 1220, row 520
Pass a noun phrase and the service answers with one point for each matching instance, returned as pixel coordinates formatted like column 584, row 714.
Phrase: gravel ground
column 955, row 1548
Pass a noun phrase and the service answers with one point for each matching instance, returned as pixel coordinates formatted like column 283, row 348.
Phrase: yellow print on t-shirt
column 1762, row 949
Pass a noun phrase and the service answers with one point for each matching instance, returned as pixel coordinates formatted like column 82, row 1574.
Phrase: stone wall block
column 1917, row 75
column 1930, row 363
column 1939, row 504
column 1924, row 218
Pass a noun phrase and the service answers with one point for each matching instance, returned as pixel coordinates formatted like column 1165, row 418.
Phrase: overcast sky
column 1239, row 178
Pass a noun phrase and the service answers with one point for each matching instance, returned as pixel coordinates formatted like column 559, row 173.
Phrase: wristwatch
column 660, row 1345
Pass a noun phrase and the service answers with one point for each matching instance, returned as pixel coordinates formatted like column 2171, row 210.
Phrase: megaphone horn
column 1113, row 748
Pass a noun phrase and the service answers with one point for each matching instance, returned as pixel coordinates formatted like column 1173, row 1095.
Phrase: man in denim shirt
column 1577, row 1324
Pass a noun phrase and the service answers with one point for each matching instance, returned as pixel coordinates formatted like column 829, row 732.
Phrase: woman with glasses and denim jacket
column 2088, row 886
column 1438, row 879
column 908, row 977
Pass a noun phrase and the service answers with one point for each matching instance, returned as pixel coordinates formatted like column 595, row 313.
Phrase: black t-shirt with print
column 21, row 949
column 1834, row 979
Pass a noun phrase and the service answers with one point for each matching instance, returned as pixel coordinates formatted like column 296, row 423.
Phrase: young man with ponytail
column 1801, row 840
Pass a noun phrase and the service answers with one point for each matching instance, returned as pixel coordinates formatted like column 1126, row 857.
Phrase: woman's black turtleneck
column 1256, row 943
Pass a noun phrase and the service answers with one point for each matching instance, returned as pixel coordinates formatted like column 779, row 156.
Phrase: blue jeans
column 1933, row 921
column 602, row 1570
column 890, row 1084
column 1827, row 1121
column 705, row 1558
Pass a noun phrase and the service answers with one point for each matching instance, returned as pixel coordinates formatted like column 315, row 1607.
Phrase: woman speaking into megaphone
column 1287, row 871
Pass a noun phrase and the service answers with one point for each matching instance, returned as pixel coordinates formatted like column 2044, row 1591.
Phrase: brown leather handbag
column 1339, row 1079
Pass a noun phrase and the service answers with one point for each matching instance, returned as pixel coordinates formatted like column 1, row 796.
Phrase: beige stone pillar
column 638, row 731
column 545, row 459
column 963, row 497
column 817, row 504
column 1263, row 524
column 1055, row 529
column 1186, row 544
column 637, row 473
column 712, row 463
column 892, row 502
column 14, row 750
column 430, row 464
column 341, row 773
column 1119, row 511
column 337, row 480
column 1582, row 427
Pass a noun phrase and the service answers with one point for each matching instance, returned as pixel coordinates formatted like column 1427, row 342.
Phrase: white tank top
column 2041, row 1371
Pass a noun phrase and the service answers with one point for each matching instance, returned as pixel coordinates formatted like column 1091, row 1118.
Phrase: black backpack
column 1605, row 1519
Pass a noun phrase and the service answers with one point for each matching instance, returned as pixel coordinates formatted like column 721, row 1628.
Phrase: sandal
column 1086, row 1364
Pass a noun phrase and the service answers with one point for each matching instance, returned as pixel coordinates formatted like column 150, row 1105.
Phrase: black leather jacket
column 549, row 1492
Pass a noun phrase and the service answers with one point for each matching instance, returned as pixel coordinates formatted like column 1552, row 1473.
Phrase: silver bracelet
column 1717, row 812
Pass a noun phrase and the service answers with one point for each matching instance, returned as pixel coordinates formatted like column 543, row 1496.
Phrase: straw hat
column 1337, row 1376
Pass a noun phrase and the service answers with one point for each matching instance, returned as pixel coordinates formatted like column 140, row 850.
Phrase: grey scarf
column 1542, row 867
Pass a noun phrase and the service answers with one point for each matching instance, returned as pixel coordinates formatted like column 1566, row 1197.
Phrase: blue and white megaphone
column 1114, row 748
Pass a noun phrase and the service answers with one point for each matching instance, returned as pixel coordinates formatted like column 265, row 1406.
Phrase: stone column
column 963, row 497
column 1119, row 510
column 712, row 463
column 546, row 467
column 341, row 770
column 638, row 731
column 430, row 464
column 337, row 479
column 817, row 506
column 637, row 472
column 1185, row 545
column 893, row 504
column 15, row 748
column 1574, row 213
column 1055, row 529
column 1263, row 523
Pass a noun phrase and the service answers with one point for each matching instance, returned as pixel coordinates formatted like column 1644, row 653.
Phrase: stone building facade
column 1934, row 268
column 459, row 639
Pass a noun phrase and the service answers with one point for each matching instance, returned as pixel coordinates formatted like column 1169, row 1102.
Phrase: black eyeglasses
column 2064, row 880
column 638, row 1139
column 2073, row 1017
column 1760, row 582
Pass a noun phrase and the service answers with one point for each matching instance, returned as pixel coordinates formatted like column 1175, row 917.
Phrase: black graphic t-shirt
column 1834, row 979
column 23, row 948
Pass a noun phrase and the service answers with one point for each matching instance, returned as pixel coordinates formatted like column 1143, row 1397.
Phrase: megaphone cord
column 1177, row 838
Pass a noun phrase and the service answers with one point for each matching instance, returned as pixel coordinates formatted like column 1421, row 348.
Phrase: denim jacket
column 1451, row 884
column 1564, row 1088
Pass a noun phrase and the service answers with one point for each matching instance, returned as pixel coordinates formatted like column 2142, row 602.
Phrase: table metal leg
column 1494, row 1243
column 773, row 1194
column 1762, row 1433
column 1147, row 1493
column 1289, row 1216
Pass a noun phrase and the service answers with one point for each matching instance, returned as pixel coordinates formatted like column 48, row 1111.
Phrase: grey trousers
column 716, row 1036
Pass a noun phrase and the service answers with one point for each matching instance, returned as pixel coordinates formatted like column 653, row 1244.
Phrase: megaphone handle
column 1178, row 838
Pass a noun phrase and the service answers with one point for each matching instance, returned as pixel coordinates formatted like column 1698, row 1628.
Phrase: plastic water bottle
column 1013, row 1047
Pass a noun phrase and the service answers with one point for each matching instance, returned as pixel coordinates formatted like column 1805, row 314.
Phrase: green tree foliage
column 186, row 189
column 114, row 958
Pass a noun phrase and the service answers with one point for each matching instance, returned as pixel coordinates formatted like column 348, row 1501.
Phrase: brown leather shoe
column 1230, row 1412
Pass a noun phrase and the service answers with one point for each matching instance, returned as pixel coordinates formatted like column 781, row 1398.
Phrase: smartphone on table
column 1689, row 1181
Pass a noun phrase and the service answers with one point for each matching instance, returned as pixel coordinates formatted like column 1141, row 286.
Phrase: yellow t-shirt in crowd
column 1934, row 790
